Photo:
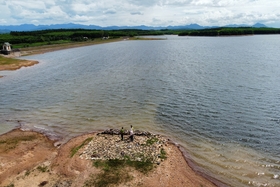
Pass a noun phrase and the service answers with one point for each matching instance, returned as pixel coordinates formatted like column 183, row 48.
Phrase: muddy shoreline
column 19, row 164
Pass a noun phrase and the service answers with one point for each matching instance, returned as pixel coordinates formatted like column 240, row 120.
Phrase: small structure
column 6, row 48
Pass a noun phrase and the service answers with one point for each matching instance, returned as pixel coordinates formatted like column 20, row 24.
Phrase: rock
column 43, row 183
column 107, row 145
column 95, row 156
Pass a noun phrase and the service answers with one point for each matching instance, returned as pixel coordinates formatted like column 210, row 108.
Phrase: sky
column 140, row 12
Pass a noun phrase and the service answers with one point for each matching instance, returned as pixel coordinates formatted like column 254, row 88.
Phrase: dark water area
column 219, row 97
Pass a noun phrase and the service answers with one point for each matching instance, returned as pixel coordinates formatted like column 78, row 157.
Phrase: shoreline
column 194, row 172
column 174, row 171
column 15, row 64
column 22, row 63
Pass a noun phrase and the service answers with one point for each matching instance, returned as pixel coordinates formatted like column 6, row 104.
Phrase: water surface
column 219, row 97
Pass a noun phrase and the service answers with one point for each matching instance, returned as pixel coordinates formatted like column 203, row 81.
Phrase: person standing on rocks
column 131, row 133
column 122, row 132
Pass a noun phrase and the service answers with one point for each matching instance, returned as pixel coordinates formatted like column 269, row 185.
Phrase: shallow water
column 218, row 97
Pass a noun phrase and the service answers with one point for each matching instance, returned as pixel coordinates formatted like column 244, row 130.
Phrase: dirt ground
column 23, row 63
column 30, row 159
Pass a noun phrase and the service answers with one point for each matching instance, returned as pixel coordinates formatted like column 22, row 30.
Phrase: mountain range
column 31, row 27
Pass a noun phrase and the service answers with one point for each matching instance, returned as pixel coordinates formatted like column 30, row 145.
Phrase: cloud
column 81, row 19
column 110, row 11
column 143, row 3
column 136, row 13
column 140, row 12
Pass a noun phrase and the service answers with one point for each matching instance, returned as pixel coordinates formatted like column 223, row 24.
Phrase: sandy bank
column 18, row 65
column 31, row 159
column 8, row 62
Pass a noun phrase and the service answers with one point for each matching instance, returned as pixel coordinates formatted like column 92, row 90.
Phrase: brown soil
column 23, row 63
column 30, row 159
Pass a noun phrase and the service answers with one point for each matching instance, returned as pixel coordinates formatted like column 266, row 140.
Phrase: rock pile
column 108, row 145
column 126, row 132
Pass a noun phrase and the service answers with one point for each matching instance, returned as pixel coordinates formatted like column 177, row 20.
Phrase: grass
column 37, row 44
column 61, row 43
column 115, row 171
column 163, row 154
column 27, row 173
column 42, row 168
column 11, row 143
column 8, row 61
column 151, row 141
column 69, row 42
column 58, row 43
column 74, row 150
column 10, row 185
column 142, row 166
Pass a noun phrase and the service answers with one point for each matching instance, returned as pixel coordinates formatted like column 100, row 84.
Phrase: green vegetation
column 60, row 36
column 10, row 185
column 27, row 173
column 116, row 171
column 8, row 61
column 74, row 150
column 13, row 142
column 162, row 154
column 42, row 168
column 226, row 31
column 23, row 39
column 151, row 141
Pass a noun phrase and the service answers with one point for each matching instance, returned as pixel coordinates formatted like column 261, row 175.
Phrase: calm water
column 218, row 97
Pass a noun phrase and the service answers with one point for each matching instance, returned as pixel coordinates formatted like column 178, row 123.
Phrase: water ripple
column 218, row 97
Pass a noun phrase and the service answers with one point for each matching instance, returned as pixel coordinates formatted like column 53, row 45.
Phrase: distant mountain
column 259, row 25
column 2, row 31
column 235, row 25
column 31, row 27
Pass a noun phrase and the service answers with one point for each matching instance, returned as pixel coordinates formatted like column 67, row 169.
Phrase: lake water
column 219, row 97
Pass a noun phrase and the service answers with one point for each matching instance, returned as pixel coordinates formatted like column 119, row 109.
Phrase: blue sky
column 140, row 12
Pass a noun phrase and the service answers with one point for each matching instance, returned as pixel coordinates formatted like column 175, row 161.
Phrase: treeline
column 50, row 36
column 225, row 31
column 45, row 37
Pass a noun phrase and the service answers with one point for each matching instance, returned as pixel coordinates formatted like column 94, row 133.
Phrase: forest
column 57, row 36
column 226, row 31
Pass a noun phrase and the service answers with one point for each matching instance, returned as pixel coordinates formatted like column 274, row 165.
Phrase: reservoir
column 219, row 97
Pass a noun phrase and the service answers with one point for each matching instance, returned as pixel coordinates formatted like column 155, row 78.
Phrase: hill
column 31, row 27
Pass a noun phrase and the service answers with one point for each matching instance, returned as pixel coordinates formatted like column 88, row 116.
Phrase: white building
column 6, row 48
